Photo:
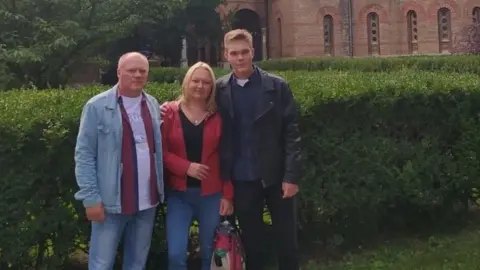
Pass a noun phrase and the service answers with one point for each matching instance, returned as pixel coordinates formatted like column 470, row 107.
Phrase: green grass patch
column 447, row 252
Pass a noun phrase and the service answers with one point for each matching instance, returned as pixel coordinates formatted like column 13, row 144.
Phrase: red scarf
column 129, row 180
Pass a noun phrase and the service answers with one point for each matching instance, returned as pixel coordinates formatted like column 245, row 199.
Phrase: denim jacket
column 98, row 167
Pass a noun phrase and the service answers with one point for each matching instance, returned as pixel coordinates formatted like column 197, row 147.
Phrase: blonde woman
column 191, row 134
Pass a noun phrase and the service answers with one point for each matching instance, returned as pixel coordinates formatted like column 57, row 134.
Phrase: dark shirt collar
column 252, row 78
column 120, row 100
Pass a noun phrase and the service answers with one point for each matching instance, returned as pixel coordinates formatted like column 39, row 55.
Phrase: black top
column 193, row 136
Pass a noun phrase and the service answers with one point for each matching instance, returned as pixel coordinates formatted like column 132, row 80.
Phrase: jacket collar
column 267, row 83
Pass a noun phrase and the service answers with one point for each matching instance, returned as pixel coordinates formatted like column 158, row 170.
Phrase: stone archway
column 249, row 20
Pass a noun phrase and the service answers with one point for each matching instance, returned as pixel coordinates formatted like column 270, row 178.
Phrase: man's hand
column 163, row 109
column 289, row 190
column 95, row 213
column 226, row 207
column 198, row 171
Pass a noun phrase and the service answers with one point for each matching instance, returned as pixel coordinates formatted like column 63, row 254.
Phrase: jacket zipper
column 263, row 183
column 266, row 110
column 260, row 116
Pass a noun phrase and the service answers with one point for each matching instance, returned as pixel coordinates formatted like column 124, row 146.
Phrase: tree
column 5, row 76
column 229, row 20
column 468, row 40
column 199, row 21
column 43, row 39
column 203, row 20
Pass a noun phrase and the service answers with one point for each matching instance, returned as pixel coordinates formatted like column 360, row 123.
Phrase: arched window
column 412, row 29
column 444, row 30
column 328, row 44
column 373, row 28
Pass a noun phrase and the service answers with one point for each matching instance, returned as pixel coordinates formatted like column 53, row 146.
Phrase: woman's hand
column 198, row 171
column 163, row 109
column 226, row 207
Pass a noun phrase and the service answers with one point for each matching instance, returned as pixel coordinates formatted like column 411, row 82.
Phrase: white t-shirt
column 133, row 107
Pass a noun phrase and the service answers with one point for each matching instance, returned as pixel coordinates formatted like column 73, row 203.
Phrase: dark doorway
column 249, row 20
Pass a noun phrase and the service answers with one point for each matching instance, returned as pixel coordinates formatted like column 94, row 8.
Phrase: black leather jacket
column 276, row 133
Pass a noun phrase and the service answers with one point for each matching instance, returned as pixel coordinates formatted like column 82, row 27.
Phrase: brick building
column 299, row 28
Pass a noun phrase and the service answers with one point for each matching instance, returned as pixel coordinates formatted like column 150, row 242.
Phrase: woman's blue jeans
column 182, row 208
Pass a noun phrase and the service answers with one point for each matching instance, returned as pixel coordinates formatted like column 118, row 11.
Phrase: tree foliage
column 43, row 39
column 203, row 19
column 198, row 20
column 469, row 40
column 5, row 76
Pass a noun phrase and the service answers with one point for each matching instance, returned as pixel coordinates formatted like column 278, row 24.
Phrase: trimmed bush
column 40, row 216
column 386, row 151
column 456, row 64
column 382, row 151
column 446, row 63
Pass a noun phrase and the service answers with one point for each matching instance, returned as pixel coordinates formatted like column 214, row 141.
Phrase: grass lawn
column 441, row 252
column 454, row 251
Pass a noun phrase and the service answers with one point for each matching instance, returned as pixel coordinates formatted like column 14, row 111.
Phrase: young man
column 118, row 167
column 260, row 151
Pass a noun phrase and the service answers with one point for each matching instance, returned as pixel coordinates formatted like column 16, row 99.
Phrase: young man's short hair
column 238, row 35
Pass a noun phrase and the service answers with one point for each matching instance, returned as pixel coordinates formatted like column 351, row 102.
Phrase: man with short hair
column 260, row 151
column 119, row 168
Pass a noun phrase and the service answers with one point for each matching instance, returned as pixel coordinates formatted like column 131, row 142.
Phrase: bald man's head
column 132, row 72
column 131, row 56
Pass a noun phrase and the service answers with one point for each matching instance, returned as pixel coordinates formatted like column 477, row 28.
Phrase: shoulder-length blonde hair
column 210, row 102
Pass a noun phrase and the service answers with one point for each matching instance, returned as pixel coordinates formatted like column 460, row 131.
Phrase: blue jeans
column 182, row 207
column 136, row 231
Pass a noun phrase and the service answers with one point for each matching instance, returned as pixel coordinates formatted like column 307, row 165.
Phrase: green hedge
column 444, row 63
column 382, row 151
column 37, row 138
column 451, row 63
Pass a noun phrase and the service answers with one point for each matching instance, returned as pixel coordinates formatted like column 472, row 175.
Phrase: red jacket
column 175, row 155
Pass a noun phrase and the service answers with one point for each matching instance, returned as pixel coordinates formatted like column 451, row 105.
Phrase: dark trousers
column 250, row 199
